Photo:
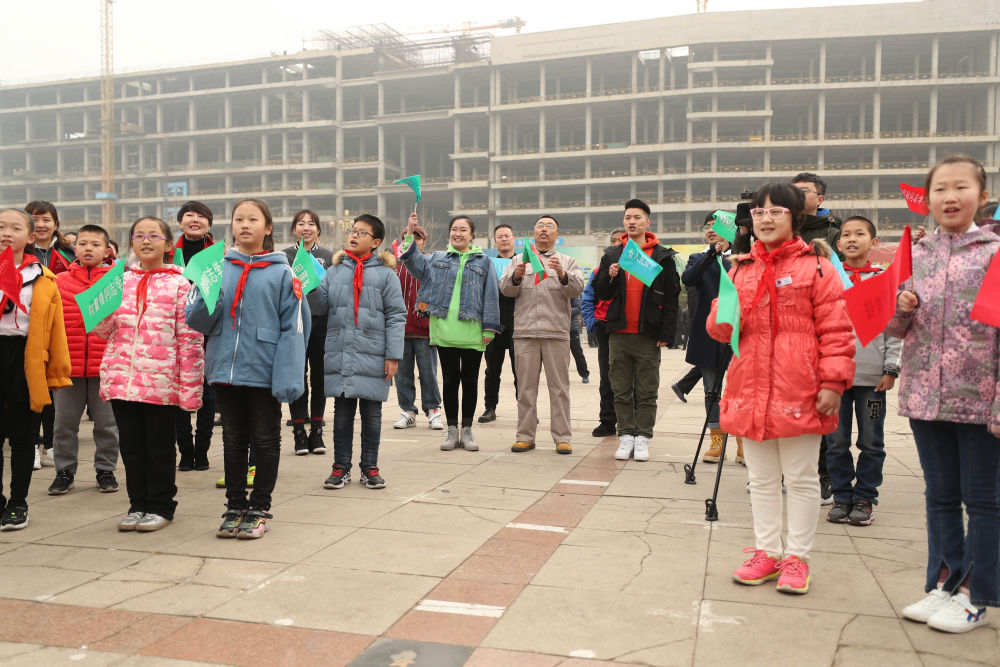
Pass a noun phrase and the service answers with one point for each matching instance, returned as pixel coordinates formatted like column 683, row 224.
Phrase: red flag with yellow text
column 872, row 303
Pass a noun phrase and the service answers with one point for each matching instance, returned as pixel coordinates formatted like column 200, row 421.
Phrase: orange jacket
column 46, row 353
column 772, row 387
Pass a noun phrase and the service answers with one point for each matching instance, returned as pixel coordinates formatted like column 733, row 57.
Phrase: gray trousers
column 70, row 403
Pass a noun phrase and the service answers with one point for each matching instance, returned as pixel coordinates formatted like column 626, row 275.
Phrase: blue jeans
column 418, row 350
column 344, row 410
column 709, row 375
column 868, row 406
column 961, row 465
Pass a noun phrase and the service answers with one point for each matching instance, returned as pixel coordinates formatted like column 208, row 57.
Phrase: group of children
column 800, row 373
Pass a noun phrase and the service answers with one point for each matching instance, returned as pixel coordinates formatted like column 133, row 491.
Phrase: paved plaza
column 477, row 558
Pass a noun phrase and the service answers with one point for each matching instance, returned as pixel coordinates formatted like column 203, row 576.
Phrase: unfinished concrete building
column 684, row 112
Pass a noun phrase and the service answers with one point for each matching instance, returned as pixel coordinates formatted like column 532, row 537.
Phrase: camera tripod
column 713, row 396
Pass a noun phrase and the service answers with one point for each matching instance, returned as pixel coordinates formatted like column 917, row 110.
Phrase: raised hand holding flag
column 531, row 256
column 872, row 303
column 10, row 283
column 414, row 183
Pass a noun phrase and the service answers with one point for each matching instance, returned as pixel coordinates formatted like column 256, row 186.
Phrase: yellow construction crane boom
column 467, row 27
column 107, row 194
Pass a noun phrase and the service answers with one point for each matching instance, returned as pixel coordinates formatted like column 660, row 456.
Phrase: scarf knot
column 143, row 287
column 768, row 283
column 359, row 276
column 854, row 272
column 242, row 283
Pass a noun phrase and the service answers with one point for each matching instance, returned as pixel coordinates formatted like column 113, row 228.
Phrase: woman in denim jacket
column 461, row 292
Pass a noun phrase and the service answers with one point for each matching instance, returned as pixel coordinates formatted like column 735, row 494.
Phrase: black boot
column 301, row 439
column 316, row 444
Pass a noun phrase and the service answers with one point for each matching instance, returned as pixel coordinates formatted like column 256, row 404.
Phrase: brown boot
column 739, row 451
column 715, row 452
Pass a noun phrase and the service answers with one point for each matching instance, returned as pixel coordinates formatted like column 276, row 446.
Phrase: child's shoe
column 863, row 513
column 957, row 615
column 338, row 477
column 130, row 521
column 231, row 521
column 371, row 478
column 106, row 482
column 37, row 465
column 794, row 575
column 434, row 420
column 45, row 456
column 451, row 441
column 251, row 473
column 316, row 444
column 62, row 483
column 757, row 569
column 407, row 419
column 152, row 522
column 839, row 513
column 468, row 442
column 254, row 525
column 15, row 517
column 825, row 490
column 922, row 611
column 626, row 443
column 221, row 482
column 301, row 438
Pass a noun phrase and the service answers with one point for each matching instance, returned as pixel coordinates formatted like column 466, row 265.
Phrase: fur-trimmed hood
column 386, row 257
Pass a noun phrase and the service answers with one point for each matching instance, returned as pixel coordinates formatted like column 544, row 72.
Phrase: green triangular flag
column 102, row 298
column 725, row 225
column 728, row 309
column 304, row 268
column 530, row 255
column 179, row 258
column 413, row 182
column 205, row 271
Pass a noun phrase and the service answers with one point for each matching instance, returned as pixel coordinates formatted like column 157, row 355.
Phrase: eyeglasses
column 148, row 237
column 807, row 191
column 360, row 233
column 774, row 213
column 546, row 225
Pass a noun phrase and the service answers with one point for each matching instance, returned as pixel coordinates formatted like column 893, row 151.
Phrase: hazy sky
column 56, row 39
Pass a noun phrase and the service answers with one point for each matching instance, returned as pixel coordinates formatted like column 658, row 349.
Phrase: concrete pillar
column 458, row 91
column 935, row 55
column 381, row 155
column 305, row 100
column 541, row 80
column 662, row 72
column 541, row 131
column 932, row 120
column 822, row 61
column 590, row 75
column 633, row 117
column 227, row 145
column 588, row 124
column 878, row 60
column 821, row 116
column 227, row 111
column 192, row 117
column 634, row 80
column 877, row 112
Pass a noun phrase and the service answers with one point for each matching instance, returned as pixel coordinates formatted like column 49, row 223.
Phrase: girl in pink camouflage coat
column 152, row 368
column 950, row 390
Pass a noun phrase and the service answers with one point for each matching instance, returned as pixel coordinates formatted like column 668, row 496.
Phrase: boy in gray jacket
column 366, row 320
column 876, row 373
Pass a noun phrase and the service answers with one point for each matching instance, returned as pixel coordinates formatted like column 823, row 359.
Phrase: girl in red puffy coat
column 783, row 391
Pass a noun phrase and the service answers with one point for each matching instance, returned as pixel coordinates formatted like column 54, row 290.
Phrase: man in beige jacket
column 541, row 335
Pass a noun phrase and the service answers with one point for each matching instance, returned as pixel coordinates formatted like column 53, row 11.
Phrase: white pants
column 798, row 460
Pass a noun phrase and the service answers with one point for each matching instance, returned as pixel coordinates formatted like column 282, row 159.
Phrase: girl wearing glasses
column 461, row 288
column 152, row 367
column 796, row 356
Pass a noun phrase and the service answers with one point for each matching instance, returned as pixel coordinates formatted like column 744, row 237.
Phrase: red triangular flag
column 986, row 309
column 10, row 286
column 916, row 199
column 872, row 303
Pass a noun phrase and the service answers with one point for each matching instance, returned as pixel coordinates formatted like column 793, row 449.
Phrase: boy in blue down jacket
column 366, row 323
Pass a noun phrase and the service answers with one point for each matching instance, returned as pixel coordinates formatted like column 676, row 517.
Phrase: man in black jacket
column 820, row 223
column 502, row 343
column 640, row 320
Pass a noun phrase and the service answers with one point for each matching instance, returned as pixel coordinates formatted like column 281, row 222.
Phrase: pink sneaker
column 794, row 575
column 757, row 569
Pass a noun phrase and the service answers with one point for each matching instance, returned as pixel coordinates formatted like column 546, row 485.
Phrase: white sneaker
column 923, row 610
column 38, row 461
column 434, row 419
column 626, row 443
column 407, row 419
column 957, row 615
column 45, row 457
column 641, row 451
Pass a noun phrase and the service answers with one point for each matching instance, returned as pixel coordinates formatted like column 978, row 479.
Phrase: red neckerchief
column 855, row 272
column 143, row 287
column 242, row 283
column 359, row 275
column 16, row 288
column 767, row 281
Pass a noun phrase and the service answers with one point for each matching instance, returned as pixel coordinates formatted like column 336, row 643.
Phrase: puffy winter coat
column 156, row 358
column 261, row 342
column 85, row 349
column 772, row 387
column 950, row 362
column 355, row 354
column 703, row 274
column 46, row 357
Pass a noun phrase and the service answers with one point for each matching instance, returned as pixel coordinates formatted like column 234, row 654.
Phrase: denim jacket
column 437, row 272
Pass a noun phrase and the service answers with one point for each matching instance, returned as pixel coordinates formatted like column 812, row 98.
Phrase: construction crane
column 107, row 194
column 467, row 27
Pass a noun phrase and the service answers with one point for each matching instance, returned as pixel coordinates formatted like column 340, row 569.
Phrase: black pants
column 201, row 439
column 502, row 345
column 20, row 424
column 314, row 375
column 577, row 350
column 690, row 379
column 146, row 436
column 47, row 421
column 822, row 457
column 607, row 396
column 460, row 366
column 344, row 410
column 249, row 413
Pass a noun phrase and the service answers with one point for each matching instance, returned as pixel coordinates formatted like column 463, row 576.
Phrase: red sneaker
column 794, row 575
column 757, row 569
